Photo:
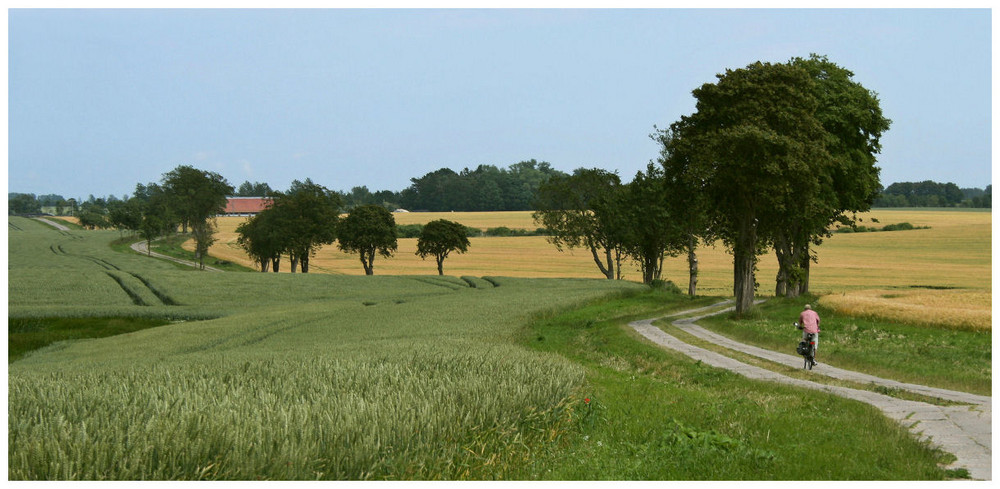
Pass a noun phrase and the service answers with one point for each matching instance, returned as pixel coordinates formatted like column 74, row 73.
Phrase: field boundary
column 964, row 431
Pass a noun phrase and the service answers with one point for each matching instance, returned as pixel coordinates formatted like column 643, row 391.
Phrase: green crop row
column 284, row 377
column 383, row 412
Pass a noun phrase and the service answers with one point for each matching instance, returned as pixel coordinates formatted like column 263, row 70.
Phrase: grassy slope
column 317, row 376
column 299, row 377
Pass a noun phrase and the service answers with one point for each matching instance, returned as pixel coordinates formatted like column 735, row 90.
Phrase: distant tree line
column 485, row 188
column 26, row 204
column 933, row 194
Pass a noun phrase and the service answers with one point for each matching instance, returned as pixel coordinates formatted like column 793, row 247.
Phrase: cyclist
column 809, row 324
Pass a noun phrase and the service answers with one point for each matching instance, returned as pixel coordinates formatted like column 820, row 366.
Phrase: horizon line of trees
column 927, row 193
column 933, row 194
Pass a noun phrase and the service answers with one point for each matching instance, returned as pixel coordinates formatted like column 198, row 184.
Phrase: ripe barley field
column 954, row 254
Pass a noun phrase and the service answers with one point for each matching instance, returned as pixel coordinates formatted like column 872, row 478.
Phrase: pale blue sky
column 100, row 100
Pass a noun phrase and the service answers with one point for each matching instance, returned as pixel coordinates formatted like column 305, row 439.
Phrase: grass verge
column 648, row 413
column 798, row 372
column 939, row 357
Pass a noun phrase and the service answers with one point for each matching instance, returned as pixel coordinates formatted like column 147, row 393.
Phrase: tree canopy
column 568, row 207
column 780, row 151
column 197, row 196
column 441, row 237
column 368, row 230
column 753, row 144
column 486, row 188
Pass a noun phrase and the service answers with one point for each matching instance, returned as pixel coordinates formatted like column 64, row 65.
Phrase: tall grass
column 957, row 309
column 296, row 377
column 382, row 414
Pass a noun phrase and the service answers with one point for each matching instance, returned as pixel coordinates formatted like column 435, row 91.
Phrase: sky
column 100, row 100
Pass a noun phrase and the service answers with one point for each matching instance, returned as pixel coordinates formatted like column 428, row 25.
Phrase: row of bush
column 903, row 226
column 413, row 231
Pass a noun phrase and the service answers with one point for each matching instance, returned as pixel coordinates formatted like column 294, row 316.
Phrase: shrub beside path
column 963, row 430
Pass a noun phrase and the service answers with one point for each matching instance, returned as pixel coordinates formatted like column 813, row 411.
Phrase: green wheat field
column 254, row 376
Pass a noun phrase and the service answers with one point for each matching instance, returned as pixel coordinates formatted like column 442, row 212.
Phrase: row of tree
column 307, row 217
column 772, row 157
column 933, row 194
column 295, row 224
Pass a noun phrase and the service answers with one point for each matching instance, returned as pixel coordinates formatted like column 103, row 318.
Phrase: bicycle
column 807, row 348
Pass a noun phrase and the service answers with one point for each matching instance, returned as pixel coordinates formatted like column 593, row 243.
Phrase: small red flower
column 586, row 400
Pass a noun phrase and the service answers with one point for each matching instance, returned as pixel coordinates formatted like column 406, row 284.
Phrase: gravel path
column 965, row 430
column 53, row 224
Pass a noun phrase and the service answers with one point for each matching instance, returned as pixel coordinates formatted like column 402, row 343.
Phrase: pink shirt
column 809, row 321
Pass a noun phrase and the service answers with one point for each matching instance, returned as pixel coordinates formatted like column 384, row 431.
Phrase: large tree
column 644, row 224
column 686, row 202
column 307, row 215
column 126, row 215
column 196, row 197
column 261, row 237
column 368, row 230
column 439, row 238
column 567, row 207
column 846, row 183
column 755, row 144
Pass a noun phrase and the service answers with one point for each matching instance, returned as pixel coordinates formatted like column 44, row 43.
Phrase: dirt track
column 142, row 248
column 963, row 430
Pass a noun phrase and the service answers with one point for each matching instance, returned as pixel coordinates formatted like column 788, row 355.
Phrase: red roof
column 246, row 205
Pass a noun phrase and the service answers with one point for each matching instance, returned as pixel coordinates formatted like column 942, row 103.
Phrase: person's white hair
column 808, row 306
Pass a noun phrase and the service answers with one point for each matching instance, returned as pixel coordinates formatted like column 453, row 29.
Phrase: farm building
column 246, row 206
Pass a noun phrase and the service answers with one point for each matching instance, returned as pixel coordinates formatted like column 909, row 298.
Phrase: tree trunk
column 692, row 267
column 264, row 262
column 368, row 261
column 305, row 263
column 275, row 262
column 743, row 274
column 806, row 261
column 648, row 270
column 781, row 280
column 294, row 259
column 744, row 263
column 608, row 273
column 440, row 263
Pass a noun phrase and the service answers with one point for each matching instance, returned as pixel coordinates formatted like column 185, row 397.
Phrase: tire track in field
column 136, row 298
column 964, row 431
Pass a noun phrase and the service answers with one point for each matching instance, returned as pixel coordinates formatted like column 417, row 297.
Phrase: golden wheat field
column 892, row 272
